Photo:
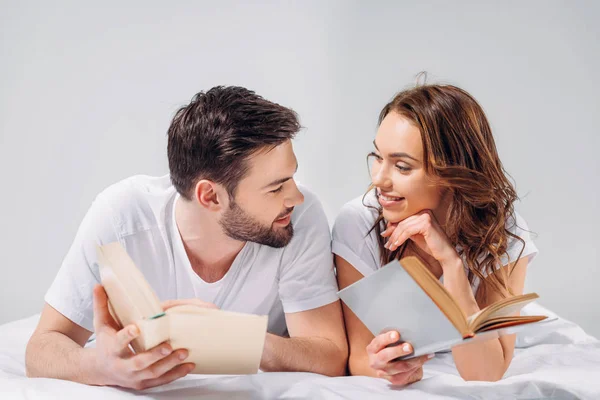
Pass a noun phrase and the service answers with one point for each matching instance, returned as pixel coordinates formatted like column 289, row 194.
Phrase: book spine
column 152, row 333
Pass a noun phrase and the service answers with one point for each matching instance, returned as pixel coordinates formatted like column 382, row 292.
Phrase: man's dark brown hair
column 213, row 136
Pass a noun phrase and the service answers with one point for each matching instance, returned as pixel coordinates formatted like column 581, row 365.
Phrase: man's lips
column 285, row 218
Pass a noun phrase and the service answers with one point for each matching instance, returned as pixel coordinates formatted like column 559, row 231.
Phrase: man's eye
column 277, row 190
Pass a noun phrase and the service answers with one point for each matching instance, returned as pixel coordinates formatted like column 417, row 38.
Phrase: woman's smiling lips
column 388, row 201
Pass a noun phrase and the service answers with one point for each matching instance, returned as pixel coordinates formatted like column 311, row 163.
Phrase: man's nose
column 295, row 198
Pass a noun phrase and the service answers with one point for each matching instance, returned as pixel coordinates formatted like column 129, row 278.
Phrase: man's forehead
column 270, row 164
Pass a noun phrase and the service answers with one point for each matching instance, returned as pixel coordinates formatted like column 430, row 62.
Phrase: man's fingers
column 102, row 317
column 178, row 372
column 144, row 360
column 124, row 337
column 163, row 366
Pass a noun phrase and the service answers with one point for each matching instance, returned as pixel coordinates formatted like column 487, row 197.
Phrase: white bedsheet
column 560, row 362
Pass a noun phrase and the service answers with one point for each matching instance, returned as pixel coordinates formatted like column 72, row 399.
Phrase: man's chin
column 281, row 237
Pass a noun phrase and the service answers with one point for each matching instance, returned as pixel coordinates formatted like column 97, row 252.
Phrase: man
column 228, row 226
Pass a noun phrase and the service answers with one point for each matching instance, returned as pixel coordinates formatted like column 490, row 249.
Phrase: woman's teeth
column 388, row 198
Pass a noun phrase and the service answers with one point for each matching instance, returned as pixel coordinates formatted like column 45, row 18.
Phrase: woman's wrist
column 456, row 282
column 452, row 264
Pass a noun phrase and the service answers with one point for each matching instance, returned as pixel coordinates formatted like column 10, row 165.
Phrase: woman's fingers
column 403, row 366
column 402, row 234
column 391, row 353
column 389, row 229
column 404, row 378
column 381, row 341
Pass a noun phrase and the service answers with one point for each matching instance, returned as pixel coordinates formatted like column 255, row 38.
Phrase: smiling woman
column 439, row 192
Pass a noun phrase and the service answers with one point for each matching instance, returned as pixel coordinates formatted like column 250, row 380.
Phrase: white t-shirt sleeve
column 352, row 240
column 306, row 278
column 518, row 226
column 71, row 293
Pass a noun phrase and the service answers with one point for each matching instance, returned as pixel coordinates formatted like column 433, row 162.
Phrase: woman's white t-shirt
column 353, row 242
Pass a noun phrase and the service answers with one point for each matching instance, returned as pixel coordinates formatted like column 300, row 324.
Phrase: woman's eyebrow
column 397, row 155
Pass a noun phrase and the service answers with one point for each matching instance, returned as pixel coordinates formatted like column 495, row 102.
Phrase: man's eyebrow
column 280, row 181
column 397, row 155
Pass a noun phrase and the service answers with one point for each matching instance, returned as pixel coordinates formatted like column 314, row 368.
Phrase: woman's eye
column 376, row 156
column 402, row 168
column 277, row 190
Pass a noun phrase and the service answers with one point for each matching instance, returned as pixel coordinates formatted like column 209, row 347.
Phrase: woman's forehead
column 397, row 134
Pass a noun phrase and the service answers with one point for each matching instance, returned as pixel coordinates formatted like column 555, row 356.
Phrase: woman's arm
column 483, row 361
column 369, row 355
column 489, row 360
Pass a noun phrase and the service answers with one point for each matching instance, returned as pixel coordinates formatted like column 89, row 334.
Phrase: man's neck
column 210, row 251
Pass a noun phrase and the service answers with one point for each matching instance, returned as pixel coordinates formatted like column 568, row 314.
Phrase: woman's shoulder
column 359, row 212
column 519, row 243
column 353, row 236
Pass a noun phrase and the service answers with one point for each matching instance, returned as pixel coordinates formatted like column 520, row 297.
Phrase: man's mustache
column 286, row 212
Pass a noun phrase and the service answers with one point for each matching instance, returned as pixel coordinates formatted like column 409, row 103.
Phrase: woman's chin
column 393, row 217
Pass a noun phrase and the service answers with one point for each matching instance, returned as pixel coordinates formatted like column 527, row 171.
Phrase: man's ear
column 209, row 195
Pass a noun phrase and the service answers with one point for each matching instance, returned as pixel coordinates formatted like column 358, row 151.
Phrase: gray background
column 87, row 93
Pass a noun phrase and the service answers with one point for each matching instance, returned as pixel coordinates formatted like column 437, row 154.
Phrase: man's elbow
column 30, row 350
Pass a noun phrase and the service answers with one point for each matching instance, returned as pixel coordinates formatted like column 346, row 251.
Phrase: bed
column 559, row 362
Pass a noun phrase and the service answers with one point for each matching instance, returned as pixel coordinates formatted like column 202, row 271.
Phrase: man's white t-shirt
column 353, row 242
column 139, row 213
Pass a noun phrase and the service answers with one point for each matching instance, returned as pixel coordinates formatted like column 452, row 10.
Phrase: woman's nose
column 381, row 178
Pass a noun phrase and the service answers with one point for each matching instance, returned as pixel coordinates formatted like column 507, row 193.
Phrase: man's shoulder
column 137, row 201
column 137, row 186
column 310, row 208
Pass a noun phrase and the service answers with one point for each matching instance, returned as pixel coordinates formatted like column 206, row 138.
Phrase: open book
column 219, row 342
column 405, row 296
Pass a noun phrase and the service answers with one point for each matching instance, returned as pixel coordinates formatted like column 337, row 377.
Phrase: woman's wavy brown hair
column 460, row 152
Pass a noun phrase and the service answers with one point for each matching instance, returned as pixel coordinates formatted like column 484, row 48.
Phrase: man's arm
column 55, row 350
column 317, row 343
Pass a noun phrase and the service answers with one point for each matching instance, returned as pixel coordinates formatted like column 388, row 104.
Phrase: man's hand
column 117, row 365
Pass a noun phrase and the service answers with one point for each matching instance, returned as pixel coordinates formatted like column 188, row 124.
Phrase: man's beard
column 239, row 225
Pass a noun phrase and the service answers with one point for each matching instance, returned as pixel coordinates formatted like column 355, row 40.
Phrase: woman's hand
column 424, row 230
column 381, row 359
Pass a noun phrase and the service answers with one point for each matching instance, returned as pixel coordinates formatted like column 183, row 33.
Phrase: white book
column 219, row 342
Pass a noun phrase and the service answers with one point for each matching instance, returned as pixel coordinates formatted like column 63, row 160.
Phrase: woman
column 438, row 192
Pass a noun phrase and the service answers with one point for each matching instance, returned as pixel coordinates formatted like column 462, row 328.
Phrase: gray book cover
column 389, row 299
